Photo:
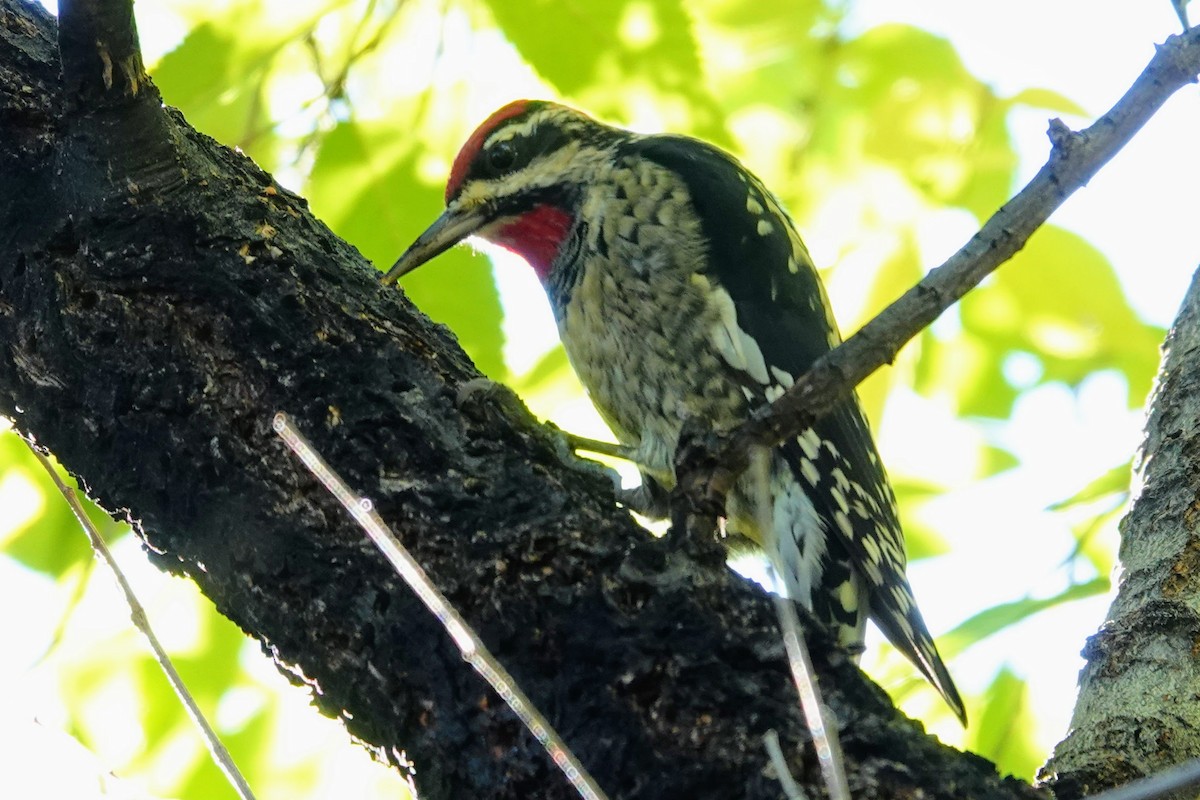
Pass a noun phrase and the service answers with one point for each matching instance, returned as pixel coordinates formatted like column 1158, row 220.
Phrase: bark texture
column 1138, row 710
column 161, row 297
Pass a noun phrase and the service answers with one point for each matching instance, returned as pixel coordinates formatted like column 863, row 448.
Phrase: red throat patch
column 536, row 236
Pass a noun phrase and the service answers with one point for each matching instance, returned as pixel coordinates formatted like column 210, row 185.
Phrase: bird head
column 517, row 183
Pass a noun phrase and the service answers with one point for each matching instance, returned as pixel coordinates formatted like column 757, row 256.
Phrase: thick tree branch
column 709, row 469
column 160, row 299
column 1136, row 713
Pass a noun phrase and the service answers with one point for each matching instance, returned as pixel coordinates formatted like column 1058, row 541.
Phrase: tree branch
column 150, row 331
column 101, row 57
column 160, row 296
column 708, row 469
column 1136, row 713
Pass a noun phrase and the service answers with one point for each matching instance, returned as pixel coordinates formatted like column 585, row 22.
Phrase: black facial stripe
column 519, row 151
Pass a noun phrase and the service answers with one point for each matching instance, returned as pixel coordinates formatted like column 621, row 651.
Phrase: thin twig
column 824, row 734
column 137, row 614
column 473, row 650
column 1184, row 776
column 791, row 789
column 1074, row 159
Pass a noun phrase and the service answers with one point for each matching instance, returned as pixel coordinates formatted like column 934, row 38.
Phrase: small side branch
column 468, row 642
column 101, row 57
column 116, row 130
column 707, row 476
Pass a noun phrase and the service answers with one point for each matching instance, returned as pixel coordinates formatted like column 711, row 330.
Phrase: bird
column 683, row 295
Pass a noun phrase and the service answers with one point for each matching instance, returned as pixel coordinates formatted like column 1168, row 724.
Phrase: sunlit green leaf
column 1114, row 481
column 993, row 620
column 1049, row 100
column 551, row 367
column 53, row 541
column 1059, row 298
column 918, row 109
column 1095, row 536
column 1003, row 732
column 966, row 370
column 627, row 43
column 922, row 541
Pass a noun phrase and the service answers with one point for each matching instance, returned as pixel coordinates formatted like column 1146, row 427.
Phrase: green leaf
column 53, row 541
column 607, row 47
column 1114, row 481
column 1060, row 300
column 547, row 374
column 218, row 78
column 922, row 541
column 1004, row 731
column 1092, row 545
column 993, row 620
column 1091, row 513
column 1048, row 99
column 907, row 98
column 964, row 369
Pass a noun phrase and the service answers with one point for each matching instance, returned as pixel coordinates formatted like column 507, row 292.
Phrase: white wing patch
column 799, row 534
column 735, row 346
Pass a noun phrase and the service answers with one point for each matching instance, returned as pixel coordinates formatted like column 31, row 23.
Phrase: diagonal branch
column 148, row 334
column 708, row 472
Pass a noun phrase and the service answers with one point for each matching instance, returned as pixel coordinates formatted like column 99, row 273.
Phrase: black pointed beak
column 454, row 225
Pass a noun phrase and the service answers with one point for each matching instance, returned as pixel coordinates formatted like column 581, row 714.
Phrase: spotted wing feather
column 757, row 257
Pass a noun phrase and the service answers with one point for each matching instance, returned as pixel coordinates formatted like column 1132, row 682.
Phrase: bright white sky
column 1141, row 211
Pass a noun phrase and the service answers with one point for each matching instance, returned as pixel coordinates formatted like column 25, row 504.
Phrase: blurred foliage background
column 1008, row 426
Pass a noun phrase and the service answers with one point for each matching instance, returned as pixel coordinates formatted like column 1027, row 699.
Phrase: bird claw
column 648, row 499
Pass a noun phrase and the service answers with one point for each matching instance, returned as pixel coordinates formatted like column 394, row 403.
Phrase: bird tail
column 901, row 622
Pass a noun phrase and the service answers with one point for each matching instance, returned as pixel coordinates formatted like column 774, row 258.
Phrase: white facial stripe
column 511, row 130
column 543, row 171
column 562, row 118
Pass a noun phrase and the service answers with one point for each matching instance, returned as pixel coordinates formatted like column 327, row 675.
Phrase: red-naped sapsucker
column 682, row 292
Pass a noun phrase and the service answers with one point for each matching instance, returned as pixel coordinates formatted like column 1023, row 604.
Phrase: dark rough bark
column 1138, row 710
column 161, row 297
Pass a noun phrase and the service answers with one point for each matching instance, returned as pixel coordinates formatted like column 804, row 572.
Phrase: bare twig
column 791, row 789
column 473, row 650
column 1164, row 784
column 138, row 615
column 1181, row 11
column 1074, row 158
column 824, row 734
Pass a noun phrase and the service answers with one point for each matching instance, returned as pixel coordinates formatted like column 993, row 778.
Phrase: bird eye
column 501, row 156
